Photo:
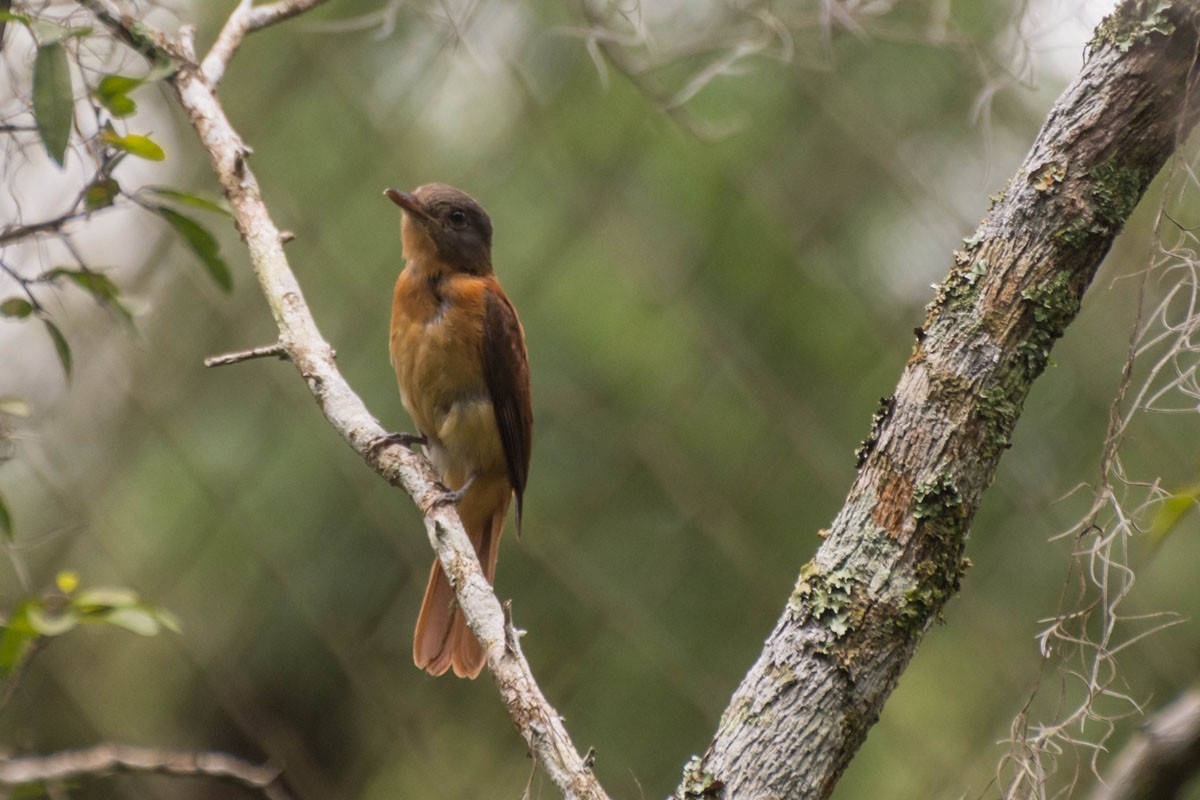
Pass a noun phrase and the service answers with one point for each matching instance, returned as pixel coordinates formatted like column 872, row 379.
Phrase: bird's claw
column 452, row 497
column 409, row 440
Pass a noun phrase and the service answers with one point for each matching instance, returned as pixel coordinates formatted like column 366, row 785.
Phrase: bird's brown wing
column 506, row 370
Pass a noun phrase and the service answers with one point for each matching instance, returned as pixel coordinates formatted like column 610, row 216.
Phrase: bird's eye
column 458, row 218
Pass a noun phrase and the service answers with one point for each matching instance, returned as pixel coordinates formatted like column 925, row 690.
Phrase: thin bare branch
column 267, row 351
column 1161, row 758
column 103, row 759
column 244, row 20
column 16, row 232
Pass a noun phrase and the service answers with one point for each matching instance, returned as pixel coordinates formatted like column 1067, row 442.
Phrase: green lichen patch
column 1113, row 193
column 698, row 782
column 999, row 415
column 1053, row 305
column 827, row 599
column 1049, row 176
column 937, row 582
column 941, row 516
column 996, row 198
column 1133, row 23
column 959, row 291
column 1116, row 190
column 936, row 500
column 1078, row 232
column 975, row 239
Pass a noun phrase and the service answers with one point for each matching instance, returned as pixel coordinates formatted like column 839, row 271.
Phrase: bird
column 458, row 349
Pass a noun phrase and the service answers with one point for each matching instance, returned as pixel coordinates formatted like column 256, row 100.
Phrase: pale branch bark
column 534, row 717
column 893, row 555
column 244, row 20
column 1161, row 758
column 266, row 351
column 104, row 759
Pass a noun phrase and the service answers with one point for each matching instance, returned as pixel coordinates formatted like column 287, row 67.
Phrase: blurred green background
column 710, row 323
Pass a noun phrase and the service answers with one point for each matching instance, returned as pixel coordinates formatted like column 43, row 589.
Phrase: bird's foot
column 452, row 497
column 409, row 440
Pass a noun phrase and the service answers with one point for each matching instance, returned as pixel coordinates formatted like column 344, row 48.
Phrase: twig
column 1161, row 758
column 152, row 44
column 13, row 233
column 538, row 723
column 105, row 758
column 246, row 19
column 266, row 351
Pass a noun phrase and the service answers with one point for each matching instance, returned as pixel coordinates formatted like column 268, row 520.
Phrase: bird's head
column 447, row 225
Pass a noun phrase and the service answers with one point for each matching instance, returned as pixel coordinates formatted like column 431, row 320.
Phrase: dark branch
column 16, row 232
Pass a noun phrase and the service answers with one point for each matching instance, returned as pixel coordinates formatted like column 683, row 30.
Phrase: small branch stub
column 267, row 351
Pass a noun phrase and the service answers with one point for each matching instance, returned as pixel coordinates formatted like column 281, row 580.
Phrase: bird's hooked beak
column 409, row 203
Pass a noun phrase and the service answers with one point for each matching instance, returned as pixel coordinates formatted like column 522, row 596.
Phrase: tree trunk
column 894, row 553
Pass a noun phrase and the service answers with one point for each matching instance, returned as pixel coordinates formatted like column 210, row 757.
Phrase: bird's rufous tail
column 442, row 639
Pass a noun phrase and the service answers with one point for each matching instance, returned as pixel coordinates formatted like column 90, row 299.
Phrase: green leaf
column 201, row 243
column 47, row 32
column 123, row 608
column 53, row 99
column 136, row 619
column 47, row 623
column 99, row 285
column 189, row 199
column 119, row 105
column 113, row 93
column 6, row 521
column 16, row 307
column 162, row 68
column 117, row 84
column 13, row 406
column 101, row 194
column 12, row 16
column 60, row 345
column 135, row 144
column 94, row 601
column 1172, row 511
column 16, row 640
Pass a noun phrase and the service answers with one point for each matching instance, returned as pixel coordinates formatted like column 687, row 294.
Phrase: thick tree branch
column 104, row 759
column 534, row 717
column 893, row 555
column 1161, row 758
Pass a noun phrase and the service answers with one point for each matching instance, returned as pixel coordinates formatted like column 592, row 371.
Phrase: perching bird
column 458, row 349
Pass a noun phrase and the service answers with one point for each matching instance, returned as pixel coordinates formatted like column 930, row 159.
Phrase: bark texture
column 894, row 553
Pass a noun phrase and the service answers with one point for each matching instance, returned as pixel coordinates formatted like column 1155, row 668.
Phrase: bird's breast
column 436, row 350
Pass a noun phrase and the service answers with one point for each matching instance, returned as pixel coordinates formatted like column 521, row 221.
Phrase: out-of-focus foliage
column 710, row 326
